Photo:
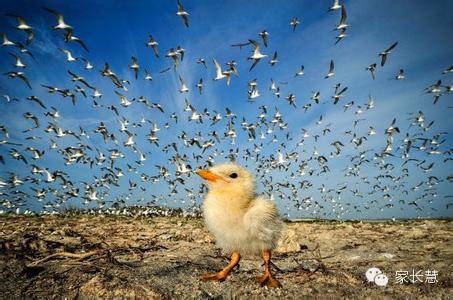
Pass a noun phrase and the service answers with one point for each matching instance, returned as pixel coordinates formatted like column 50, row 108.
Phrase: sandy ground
column 164, row 258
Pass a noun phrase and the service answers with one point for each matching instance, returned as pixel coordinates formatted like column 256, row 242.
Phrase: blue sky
column 116, row 30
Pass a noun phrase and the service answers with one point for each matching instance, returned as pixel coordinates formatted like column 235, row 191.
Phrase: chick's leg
column 222, row 275
column 267, row 279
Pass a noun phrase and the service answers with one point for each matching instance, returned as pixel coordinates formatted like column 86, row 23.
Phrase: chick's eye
column 233, row 175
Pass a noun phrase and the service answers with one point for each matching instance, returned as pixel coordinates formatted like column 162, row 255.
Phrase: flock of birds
column 268, row 144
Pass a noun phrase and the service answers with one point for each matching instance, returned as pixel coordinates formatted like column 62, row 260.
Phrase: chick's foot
column 220, row 276
column 268, row 280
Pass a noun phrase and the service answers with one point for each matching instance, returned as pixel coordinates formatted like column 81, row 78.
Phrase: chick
column 241, row 221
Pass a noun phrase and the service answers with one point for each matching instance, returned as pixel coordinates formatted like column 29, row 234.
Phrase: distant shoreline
column 368, row 220
column 174, row 214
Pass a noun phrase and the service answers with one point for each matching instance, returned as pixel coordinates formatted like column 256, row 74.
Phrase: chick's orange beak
column 208, row 175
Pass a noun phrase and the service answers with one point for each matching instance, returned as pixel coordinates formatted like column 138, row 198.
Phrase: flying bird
column 200, row 85
column 331, row 71
column 153, row 44
column 69, row 37
column 274, row 60
column 20, row 75
column 37, row 100
column 183, row 88
column 341, row 35
column 148, row 76
column 18, row 63
column 134, row 66
column 386, row 52
column 79, row 79
column 183, row 14
column 342, row 25
column 316, row 97
column 88, row 65
column 300, row 72
column 448, row 70
column 7, row 41
column 10, row 99
column 257, row 55
column 338, row 93
column 69, row 56
column 240, row 45
column 335, row 5
column 294, row 22
column 25, row 27
column 400, row 75
column 372, row 69
column 221, row 74
column 264, row 35
column 60, row 19
column 203, row 62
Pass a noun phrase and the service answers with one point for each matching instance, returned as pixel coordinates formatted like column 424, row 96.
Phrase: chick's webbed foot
column 214, row 277
column 222, row 275
column 269, row 281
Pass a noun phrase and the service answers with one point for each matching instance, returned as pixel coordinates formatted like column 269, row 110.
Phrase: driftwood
column 79, row 256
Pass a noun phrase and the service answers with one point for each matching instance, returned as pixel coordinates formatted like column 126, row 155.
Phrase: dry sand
column 164, row 257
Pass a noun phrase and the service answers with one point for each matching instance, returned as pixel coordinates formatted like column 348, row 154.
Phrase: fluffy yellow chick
column 241, row 221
